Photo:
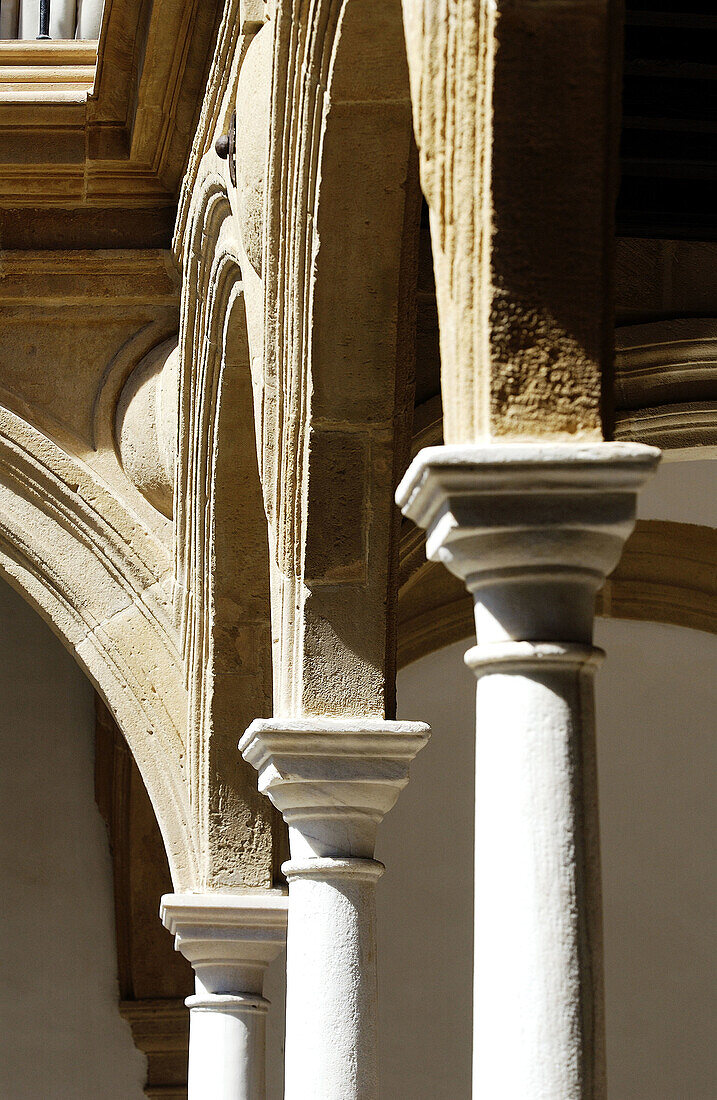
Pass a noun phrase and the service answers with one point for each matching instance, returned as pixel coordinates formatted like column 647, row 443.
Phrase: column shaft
column 331, row 1017
column 227, row 1047
column 537, row 963
column 333, row 780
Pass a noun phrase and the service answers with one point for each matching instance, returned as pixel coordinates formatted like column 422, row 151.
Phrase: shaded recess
column 668, row 149
column 153, row 978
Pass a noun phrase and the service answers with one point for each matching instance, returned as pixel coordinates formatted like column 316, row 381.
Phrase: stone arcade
column 268, row 269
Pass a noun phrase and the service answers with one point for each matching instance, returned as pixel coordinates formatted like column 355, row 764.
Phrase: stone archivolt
column 666, row 385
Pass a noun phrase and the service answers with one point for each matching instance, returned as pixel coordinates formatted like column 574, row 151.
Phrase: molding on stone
column 666, row 385
column 240, row 21
column 160, row 1029
column 55, row 72
column 332, row 779
column 114, row 137
column 667, row 574
column 337, row 395
column 229, row 939
column 222, row 586
column 686, row 431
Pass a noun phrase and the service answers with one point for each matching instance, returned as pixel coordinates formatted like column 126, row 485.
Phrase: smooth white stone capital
column 229, row 939
column 333, row 780
column 531, row 528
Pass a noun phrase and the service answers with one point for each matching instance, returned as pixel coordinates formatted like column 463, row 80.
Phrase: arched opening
column 222, row 559
column 62, row 1035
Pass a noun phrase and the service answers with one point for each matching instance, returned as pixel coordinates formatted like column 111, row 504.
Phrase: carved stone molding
column 336, row 392
column 667, row 574
column 240, row 21
column 146, row 425
column 57, row 71
column 160, row 1029
column 666, row 385
column 103, row 153
column 221, row 553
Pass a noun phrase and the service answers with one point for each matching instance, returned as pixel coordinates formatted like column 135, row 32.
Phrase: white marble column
column 533, row 529
column 333, row 780
column 229, row 939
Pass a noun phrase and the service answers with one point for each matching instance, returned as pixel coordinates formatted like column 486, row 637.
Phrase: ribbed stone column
column 229, row 939
column 533, row 530
column 333, row 781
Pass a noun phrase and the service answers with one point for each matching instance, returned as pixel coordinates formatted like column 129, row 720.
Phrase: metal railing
column 46, row 20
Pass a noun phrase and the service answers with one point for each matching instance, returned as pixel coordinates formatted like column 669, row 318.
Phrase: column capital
column 332, row 779
column 531, row 528
column 229, row 939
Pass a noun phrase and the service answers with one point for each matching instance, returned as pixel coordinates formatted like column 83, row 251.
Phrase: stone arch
column 221, row 552
column 101, row 582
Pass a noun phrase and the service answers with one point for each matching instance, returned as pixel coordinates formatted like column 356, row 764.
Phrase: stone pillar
column 229, row 939
column 333, row 780
column 533, row 529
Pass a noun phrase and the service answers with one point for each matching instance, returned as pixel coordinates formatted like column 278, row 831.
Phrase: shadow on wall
column 62, row 1035
column 656, row 701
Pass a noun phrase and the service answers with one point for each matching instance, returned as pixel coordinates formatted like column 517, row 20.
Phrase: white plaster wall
column 61, row 1036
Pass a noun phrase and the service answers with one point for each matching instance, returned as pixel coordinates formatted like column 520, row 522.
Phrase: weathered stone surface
column 515, row 169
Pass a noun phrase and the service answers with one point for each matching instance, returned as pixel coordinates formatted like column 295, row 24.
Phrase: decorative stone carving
column 666, row 386
column 147, row 423
column 221, row 551
column 336, row 390
column 103, row 154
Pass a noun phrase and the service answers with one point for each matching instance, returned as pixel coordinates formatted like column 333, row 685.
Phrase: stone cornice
column 37, row 72
column 102, row 144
